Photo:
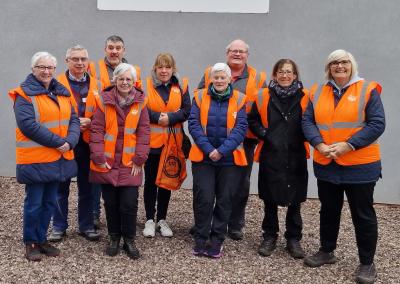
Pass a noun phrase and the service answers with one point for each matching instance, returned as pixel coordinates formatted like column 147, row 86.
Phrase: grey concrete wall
column 304, row 30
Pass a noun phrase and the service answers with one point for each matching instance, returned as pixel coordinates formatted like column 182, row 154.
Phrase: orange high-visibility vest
column 100, row 72
column 236, row 102
column 254, row 83
column 111, row 134
column 94, row 89
column 159, row 134
column 262, row 102
column 340, row 123
column 55, row 117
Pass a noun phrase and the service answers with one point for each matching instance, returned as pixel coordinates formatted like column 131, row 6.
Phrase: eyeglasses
column 235, row 51
column 342, row 62
column 43, row 68
column 77, row 59
column 128, row 80
column 285, row 72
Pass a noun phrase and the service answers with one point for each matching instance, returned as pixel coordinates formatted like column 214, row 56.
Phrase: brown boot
column 49, row 250
column 32, row 252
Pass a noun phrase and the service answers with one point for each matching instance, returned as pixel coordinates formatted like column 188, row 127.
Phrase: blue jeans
column 39, row 205
column 85, row 194
column 96, row 189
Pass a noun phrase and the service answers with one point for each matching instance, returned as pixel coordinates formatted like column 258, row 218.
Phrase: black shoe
column 32, row 252
column 236, row 235
column 130, row 248
column 294, row 248
column 366, row 273
column 113, row 246
column 90, row 235
column 267, row 247
column 199, row 248
column 320, row 258
column 49, row 250
column 214, row 250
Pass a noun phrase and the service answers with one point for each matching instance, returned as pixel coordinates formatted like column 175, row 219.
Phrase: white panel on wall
column 220, row 6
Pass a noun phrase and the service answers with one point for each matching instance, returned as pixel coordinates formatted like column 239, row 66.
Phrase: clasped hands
column 135, row 168
column 215, row 156
column 334, row 150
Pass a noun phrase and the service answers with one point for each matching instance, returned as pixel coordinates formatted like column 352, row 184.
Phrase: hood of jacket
column 33, row 87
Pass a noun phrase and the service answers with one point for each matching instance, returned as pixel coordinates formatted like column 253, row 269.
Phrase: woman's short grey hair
column 221, row 67
column 122, row 68
column 42, row 55
column 338, row 55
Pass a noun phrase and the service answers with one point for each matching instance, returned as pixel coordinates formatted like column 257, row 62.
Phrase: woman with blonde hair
column 169, row 107
column 343, row 121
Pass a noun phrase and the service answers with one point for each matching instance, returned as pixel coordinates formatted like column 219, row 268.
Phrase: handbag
column 172, row 166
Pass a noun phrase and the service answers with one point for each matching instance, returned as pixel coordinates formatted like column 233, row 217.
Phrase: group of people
column 99, row 122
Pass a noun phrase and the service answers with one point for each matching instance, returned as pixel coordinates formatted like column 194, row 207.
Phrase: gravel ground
column 170, row 260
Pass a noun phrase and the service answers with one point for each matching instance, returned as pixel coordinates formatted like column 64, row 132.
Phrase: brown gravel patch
column 170, row 260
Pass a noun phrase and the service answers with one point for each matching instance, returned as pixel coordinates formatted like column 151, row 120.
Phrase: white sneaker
column 164, row 229
column 149, row 229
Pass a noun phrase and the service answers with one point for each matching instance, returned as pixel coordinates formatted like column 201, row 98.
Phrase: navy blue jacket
column 62, row 169
column 375, row 126
column 216, row 137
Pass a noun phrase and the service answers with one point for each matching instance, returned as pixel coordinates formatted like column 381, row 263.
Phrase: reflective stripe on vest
column 159, row 134
column 236, row 102
column 49, row 114
column 90, row 105
column 111, row 133
column 338, row 123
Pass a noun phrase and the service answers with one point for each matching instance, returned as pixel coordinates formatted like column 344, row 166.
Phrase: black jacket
column 283, row 175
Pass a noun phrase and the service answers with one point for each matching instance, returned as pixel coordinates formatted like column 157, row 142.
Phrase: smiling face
column 44, row 70
column 114, row 52
column 237, row 54
column 285, row 75
column 164, row 73
column 220, row 81
column 125, row 83
column 341, row 70
column 77, row 63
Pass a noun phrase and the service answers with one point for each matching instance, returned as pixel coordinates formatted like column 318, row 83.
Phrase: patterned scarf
column 220, row 96
column 282, row 92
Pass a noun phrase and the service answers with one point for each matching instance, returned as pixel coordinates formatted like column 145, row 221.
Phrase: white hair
column 74, row 48
column 339, row 54
column 42, row 54
column 122, row 68
column 218, row 67
column 228, row 47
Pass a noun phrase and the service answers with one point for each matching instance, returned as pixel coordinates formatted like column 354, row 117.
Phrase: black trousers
column 237, row 218
column 152, row 193
column 213, row 191
column 121, row 205
column 294, row 223
column 360, row 199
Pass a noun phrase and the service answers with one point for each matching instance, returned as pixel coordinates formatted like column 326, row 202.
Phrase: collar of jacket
column 33, row 87
column 174, row 80
column 353, row 80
